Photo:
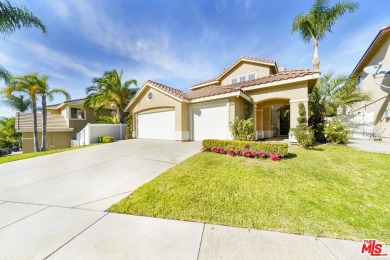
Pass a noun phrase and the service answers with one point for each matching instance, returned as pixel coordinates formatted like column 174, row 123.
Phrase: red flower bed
column 246, row 153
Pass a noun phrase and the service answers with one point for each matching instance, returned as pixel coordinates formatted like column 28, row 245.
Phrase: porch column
column 259, row 124
column 267, row 122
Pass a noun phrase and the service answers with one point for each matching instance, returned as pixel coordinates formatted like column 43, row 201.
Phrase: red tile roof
column 218, row 90
column 172, row 91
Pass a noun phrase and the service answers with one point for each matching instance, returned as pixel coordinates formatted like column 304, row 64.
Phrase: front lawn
column 11, row 158
column 328, row 191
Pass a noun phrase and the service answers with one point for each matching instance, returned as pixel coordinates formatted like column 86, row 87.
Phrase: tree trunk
column 34, row 110
column 119, row 115
column 44, row 123
column 316, row 57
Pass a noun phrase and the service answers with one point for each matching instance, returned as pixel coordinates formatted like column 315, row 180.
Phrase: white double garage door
column 206, row 121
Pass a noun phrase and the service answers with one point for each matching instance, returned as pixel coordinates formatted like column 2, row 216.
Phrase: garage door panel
column 158, row 125
column 210, row 123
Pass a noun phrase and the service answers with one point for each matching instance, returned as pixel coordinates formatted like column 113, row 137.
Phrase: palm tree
column 26, row 84
column 8, row 136
column 14, row 18
column 18, row 103
column 46, row 93
column 318, row 21
column 332, row 91
column 109, row 91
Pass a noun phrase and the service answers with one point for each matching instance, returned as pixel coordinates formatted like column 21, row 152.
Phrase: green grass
column 329, row 191
column 18, row 157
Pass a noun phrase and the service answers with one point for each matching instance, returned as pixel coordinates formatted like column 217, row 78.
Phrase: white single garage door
column 210, row 122
column 157, row 125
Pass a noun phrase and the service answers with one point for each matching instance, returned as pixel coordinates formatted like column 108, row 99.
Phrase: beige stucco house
column 64, row 120
column 373, row 117
column 250, row 87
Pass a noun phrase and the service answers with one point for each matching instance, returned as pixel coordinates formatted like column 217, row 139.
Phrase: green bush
column 242, row 129
column 337, row 132
column 106, row 139
column 129, row 130
column 106, row 120
column 303, row 133
column 266, row 147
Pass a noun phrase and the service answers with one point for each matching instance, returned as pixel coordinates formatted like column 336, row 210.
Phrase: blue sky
column 176, row 42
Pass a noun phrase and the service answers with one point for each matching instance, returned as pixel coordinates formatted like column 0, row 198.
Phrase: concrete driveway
column 91, row 178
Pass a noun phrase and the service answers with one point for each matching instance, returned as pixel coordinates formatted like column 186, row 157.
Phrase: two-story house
column 64, row 121
column 250, row 87
column 373, row 117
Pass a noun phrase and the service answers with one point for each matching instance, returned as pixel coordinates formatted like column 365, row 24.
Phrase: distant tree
column 8, row 136
column 318, row 21
column 26, row 84
column 45, row 93
column 19, row 103
column 14, row 18
column 109, row 91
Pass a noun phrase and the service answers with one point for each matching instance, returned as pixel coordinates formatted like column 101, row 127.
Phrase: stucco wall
column 79, row 124
column 380, row 99
column 244, row 68
column 54, row 140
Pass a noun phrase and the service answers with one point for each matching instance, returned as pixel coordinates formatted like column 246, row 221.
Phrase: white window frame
column 237, row 78
column 70, row 113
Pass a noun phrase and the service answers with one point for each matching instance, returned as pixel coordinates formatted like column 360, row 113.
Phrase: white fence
column 91, row 132
column 361, row 124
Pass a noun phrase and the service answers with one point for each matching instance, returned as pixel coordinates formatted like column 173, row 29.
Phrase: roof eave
column 367, row 52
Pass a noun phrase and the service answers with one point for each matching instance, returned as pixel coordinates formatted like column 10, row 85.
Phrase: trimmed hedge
column 266, row 147
column 105, row 139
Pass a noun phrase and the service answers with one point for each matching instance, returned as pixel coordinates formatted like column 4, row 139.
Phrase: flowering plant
column 230, row 152
column 275, row 156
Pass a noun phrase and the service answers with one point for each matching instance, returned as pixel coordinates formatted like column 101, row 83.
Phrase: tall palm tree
column 19, row 103
column 13, row 18
column 314, row 24
column 26, row 84
column 332, row 91
column 46, row 93
column 108, row 91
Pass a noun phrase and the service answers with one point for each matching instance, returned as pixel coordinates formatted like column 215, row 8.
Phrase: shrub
column 303, row 133
column 239, row 147
column 105, row 139
column 106, row 120
column 129, row 123
column 337, row 132
column 242, row 129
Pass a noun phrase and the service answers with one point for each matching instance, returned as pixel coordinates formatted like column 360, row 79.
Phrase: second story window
column 234, row 80
column 77, row 113
column 251, row 76
column 242, row 78
column 360, row 82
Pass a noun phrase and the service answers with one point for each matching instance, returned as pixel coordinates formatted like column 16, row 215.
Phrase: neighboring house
column 64, row 121
column 250, row 87
column 373, row 117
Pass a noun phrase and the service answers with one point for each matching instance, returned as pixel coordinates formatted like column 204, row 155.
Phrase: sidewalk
column 370, row 145
column 29, row 231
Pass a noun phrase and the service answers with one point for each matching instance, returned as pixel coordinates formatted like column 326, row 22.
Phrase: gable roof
column 238, row 88
column 375, row 45
column 241, row 59
column 56, row 122
column 75, row 102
